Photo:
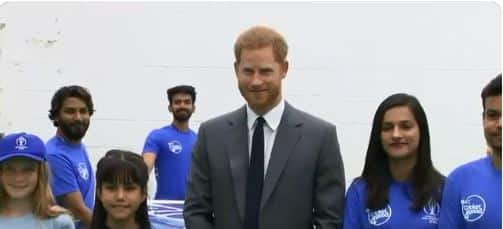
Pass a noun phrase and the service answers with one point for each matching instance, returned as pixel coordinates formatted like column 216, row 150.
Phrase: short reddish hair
column 259, row 37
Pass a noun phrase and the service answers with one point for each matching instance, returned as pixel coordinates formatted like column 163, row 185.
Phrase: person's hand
column 56, row 210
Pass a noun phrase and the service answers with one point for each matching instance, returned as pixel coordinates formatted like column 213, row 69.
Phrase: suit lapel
column 237, row 152
column 286, row 139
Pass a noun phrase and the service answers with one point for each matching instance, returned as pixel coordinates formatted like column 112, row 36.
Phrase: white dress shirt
column 272, row 120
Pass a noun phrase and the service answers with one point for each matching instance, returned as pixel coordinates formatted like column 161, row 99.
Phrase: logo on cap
column 21, row 143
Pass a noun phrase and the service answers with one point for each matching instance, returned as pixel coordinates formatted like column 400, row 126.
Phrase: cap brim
column 21, row 155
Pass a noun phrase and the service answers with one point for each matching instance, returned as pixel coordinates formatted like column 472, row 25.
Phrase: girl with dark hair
column 121, row 192
column 399, row 187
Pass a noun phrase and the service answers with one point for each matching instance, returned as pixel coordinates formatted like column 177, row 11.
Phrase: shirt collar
column 272, row 117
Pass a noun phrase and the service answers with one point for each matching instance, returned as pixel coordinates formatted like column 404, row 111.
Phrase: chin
column 399, row 155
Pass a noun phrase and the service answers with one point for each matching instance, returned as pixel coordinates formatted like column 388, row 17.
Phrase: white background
column 345, row 58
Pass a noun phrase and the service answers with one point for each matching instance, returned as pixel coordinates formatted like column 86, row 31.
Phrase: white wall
column 345, row 58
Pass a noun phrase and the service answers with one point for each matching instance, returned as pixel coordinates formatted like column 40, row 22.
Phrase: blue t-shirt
column 472, row 197
column 71, row 170
column 173, row 149
column 397, row 213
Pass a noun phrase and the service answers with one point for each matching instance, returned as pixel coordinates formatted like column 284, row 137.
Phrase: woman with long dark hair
column 121, row 192
column 399, row 186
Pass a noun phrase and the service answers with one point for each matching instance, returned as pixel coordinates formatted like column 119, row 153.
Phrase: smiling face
column 19, row 177
column 400, row 133
column 121, row 200
column 259, row 78
column 182, row 107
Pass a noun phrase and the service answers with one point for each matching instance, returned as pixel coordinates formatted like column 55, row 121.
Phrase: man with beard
column 72, row 178
column 169, row 148
column 472, row 193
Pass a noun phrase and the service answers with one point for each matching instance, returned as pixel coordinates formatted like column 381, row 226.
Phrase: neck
column 60, row 133
column 262, row 112
column 496, row 159
column 401, row 169
column 17, row 207
column 182, row 126
column 129, row 223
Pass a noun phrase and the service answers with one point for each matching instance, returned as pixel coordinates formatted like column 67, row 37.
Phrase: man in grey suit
column 266, row 165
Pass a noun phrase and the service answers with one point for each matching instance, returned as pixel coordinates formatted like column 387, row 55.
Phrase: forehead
column 181, row 96
column 493, row 103
column 264, row 56
column 398, row 113
column 73, row 102
column 19, row 162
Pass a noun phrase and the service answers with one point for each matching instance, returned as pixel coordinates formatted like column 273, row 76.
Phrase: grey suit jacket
column 304, row 184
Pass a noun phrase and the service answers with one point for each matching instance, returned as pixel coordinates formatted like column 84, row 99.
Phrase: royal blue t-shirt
column 173, row 149
column 397, row 213
column 472, row 197
column 71, row 170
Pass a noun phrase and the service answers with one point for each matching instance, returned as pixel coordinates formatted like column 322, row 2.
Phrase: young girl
column 399, row 187
column 121, row 192
column 26, row 199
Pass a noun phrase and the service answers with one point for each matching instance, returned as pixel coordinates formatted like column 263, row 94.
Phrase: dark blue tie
column 255, row 177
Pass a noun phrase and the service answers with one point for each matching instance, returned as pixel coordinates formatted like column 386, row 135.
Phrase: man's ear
column 170, row 108
column 236, row 68
column 284, row 68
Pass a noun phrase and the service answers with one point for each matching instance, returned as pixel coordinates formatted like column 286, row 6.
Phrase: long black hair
column 426, row 181
column 121, row 167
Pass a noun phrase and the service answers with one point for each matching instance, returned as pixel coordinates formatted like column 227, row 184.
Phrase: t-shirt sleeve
column 151, row 144
column 63, row 178
column 450, row 211
column 353, row 208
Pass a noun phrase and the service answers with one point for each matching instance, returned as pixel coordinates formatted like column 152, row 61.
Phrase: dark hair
column 66, row 92
column 184, row 89
column 426, row 181
column 121, row 167
column 493, row 88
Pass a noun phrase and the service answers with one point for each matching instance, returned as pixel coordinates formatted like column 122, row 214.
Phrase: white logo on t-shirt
column 175, row 146
column 431, row 211
column 83, row 172
column 380, row 216
column 473, row 207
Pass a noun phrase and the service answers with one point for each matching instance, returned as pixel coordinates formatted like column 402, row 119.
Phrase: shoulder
column 358, row 185
column 229, row 118
column 469, row 169
column 306, row 118
column 161, row 130
column 356, row 191
column 54, row 146
column 63, row 221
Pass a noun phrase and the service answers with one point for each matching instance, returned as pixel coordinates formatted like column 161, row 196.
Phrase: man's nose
column 256, row 79
column 77, row 116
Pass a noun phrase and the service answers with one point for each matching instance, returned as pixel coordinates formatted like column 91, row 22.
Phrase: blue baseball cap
column 22, row 145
